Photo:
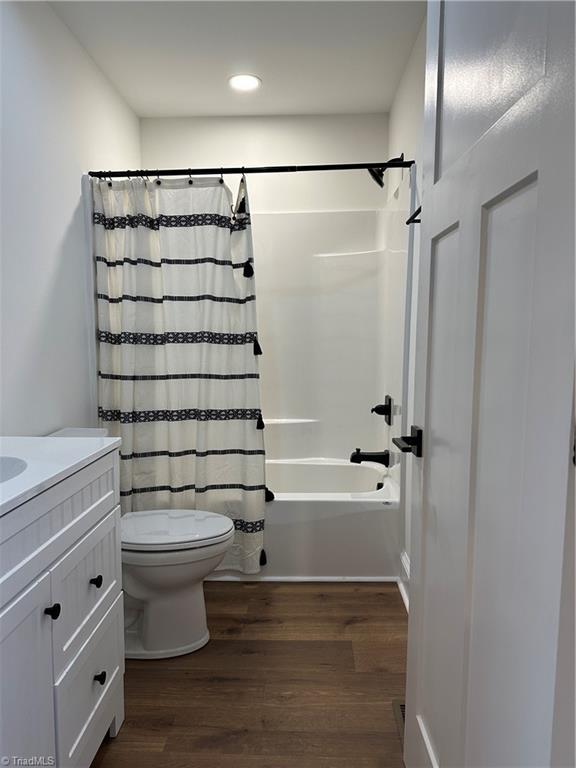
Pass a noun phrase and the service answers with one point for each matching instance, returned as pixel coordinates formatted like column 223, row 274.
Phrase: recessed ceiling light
column 245, row 82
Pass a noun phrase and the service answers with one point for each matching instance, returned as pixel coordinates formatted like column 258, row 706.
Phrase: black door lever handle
column 411, row 443
column 403, row 444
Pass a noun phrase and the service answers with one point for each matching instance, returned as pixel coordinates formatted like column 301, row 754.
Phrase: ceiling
column 173, row 59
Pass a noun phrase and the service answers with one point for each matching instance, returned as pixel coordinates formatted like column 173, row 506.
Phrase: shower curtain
column 177, row 348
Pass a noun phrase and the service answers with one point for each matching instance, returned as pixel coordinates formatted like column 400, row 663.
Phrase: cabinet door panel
column 26, row 692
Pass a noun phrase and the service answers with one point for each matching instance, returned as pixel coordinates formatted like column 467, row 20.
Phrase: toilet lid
column 169, row 529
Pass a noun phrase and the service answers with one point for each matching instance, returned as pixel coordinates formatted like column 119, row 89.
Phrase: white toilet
column 166, row 554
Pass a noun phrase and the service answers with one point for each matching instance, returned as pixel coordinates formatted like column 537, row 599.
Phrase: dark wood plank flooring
column 295, row 676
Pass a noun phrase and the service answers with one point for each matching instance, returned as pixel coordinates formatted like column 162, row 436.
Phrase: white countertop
column 49, row 460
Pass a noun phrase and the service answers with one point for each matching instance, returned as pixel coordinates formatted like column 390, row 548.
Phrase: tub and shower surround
column 178, row 350
column 320, row 277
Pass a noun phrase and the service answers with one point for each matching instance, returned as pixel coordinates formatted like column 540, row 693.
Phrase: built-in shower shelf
column 377, row 252
column 289, row 421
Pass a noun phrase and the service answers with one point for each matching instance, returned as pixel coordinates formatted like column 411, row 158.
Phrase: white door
column 27, row 687
column 494, row 377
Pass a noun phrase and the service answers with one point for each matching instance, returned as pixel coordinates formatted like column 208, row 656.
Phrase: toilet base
column 168, row 623
column 165, row 610
column 134, row 649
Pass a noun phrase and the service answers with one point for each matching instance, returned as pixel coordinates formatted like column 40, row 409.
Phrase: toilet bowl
column 166, row 555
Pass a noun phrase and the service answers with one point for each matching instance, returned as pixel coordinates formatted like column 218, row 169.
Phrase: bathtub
column 328, row 522
column 329, row 479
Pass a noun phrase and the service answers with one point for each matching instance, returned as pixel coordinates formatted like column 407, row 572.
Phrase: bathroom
column 183, row 588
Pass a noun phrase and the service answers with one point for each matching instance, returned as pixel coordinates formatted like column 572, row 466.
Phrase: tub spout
column 382, row 457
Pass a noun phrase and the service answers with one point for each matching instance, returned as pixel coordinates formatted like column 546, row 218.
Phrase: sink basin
column 11, row 467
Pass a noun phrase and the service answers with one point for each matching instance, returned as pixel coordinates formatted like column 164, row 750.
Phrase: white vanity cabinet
column 61, row 613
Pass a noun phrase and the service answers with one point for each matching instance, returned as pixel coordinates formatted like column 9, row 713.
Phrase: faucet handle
column 385, row 409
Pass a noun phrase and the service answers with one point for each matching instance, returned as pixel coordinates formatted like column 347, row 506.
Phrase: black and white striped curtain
column 178, row 346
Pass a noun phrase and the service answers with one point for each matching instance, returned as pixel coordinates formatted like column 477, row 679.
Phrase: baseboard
column 404, row 595
column 427, row 742
column 404, row 580
column 261, row 577
column 405, row 560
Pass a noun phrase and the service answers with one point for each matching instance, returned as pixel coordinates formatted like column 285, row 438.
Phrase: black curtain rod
column 378, row 168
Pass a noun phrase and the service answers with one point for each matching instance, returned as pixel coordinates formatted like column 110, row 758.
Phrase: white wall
column 60, row 118
column 406, row 130
column 212, row 142
column 318, row 317
column 406, row 118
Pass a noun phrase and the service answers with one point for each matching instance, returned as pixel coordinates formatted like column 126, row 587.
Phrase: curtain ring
column 190, row 179
column 109, row 178
column 158, row 180
column 221, row 175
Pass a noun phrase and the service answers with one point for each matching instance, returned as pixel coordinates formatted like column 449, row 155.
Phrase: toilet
column 166, row 555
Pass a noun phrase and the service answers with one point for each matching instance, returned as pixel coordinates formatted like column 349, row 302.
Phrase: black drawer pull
column 100, row 677
column 97, row 581
column 53, row 611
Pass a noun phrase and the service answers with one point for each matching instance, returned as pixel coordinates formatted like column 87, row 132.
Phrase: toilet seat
column 168, row 530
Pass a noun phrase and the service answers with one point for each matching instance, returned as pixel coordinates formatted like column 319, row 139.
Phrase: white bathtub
column 322, row 478
column 329, row 523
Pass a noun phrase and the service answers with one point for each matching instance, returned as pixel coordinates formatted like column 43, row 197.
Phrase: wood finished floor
column 295, row 676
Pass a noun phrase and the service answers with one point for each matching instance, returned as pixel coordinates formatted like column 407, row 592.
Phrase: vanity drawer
column 38, row 532
column 85, row 689
column 85, row 582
